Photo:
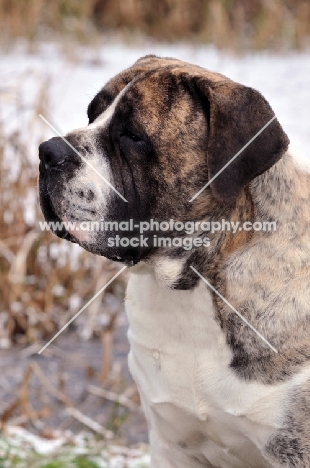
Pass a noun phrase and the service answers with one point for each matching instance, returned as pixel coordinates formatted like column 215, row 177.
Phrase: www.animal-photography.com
column 154, row 246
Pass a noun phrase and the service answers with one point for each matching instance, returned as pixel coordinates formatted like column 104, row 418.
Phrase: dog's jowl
column 218, row 298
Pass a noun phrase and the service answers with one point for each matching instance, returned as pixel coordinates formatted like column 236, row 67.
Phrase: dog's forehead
column 143, row 74
column 164, row 67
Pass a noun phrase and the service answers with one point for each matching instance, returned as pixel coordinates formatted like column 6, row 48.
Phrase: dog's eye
column 130, row 135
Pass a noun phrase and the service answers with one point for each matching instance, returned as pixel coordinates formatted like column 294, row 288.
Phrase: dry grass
column 237, row 24
column 44, row 280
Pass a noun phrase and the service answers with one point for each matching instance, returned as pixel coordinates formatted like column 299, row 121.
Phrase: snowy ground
column 283, row 80
column 21, row 449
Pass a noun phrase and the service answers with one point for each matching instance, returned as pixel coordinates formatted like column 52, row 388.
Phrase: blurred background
column 75, row 404
column 237, row 24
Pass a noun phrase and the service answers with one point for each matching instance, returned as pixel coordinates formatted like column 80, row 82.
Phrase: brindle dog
column 214, row 393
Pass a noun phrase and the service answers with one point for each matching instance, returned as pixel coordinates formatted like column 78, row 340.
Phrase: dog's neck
column 278, row 196
column 282, row 193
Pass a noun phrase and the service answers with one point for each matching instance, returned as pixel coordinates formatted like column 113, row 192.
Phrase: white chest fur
column 195, row 404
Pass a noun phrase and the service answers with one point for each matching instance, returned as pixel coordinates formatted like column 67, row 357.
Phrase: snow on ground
column 283, row 79
column 22, row 449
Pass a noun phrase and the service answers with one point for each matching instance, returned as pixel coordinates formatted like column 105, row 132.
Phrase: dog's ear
column 236, row 115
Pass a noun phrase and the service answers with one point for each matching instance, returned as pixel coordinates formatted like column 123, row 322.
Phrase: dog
column 220, row 332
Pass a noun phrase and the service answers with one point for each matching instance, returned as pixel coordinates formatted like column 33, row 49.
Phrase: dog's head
column 157, row 133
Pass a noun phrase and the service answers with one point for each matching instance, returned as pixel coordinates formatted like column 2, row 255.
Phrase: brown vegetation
column 44, row 280
column 237, row 24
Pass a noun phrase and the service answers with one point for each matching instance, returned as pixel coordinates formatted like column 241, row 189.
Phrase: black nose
column 55, row 152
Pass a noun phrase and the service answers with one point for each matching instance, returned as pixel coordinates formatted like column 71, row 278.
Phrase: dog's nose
column 54, row 152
